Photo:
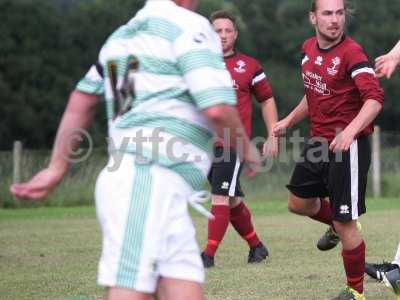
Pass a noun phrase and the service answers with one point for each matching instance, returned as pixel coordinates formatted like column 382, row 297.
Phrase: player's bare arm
column 297, row 115
column 225, row 117
column 270, row 116
column 386, row 64
column 367, row 114
column 77, row 116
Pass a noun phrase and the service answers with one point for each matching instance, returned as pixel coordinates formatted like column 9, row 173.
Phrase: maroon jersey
column 337, row 82
column 248, row 78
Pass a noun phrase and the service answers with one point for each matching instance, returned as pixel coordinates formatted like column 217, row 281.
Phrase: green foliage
column 48, row 45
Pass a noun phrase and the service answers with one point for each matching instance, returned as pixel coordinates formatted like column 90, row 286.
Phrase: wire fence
column 78, row 186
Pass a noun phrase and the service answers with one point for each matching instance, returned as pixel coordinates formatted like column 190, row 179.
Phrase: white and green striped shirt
column 159, row 71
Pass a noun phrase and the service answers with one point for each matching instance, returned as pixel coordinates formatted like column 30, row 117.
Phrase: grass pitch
column 52, row 253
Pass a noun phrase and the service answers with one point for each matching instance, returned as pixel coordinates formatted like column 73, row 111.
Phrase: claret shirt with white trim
column 248, row 78
column 337, row 82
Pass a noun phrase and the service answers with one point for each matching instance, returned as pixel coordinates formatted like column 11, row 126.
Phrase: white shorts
column 147, row 230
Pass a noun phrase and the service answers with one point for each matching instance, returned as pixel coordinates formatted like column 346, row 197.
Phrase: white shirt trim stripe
column 258, row 78
column 362, row 70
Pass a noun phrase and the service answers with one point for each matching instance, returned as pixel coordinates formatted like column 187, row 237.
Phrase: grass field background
column 52, row 253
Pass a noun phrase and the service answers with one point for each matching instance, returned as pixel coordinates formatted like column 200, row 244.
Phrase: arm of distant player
column 386, row 64
column 298, row 114
column 367, row 114
column 77, row 116
column 226, row 118
column 270, row 116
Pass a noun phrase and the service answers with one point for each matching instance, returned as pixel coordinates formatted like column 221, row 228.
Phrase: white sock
column 397, row 257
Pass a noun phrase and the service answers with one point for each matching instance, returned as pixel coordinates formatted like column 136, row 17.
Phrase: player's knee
column 344, row 229
column 234, row 201
column 294, row 207
column 220, row 200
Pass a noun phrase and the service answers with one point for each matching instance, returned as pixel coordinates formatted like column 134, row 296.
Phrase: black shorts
column 340, row 176
column 225, row 172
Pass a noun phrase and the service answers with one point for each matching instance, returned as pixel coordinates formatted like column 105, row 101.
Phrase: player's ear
column 312, row 18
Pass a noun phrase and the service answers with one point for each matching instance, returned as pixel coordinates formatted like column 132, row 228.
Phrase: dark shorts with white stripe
column 340, row 176
column 225, row 172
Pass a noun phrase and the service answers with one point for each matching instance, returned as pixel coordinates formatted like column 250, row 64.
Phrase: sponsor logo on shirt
column 333, row 69
column 319, row 60
column 316, row 83
column 240, row 64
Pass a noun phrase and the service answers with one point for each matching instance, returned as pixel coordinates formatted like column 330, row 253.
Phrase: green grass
column 52, row 253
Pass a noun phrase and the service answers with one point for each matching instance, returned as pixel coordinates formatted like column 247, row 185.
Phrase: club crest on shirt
column 332, row 70
column 319, row 60
column 240, row 64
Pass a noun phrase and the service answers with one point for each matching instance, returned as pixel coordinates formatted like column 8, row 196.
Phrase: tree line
column 46, row 46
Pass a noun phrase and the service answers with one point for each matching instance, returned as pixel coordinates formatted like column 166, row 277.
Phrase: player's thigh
column 126, row 294
column 309, row 176
column 178, row 251
column 225, row 173
column 117, row 212
column 175, row 289
column 348, row 175
column 306, row 206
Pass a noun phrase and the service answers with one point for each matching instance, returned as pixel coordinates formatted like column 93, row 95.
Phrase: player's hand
column 39, row 186
column 342, row 141
column 270, row 147
column 252, row 160
column 281, row 127
column 385, row 65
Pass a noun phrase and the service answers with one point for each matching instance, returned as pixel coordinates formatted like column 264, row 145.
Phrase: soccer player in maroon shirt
column 342, row 98
column 248, row 78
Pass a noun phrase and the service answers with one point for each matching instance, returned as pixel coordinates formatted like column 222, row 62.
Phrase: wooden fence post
column 17, row 161
column 376, row 162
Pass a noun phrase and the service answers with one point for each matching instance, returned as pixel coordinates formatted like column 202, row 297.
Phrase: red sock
column 354, row 265
column 325, row 213
column 241, row 221
column 217, row 228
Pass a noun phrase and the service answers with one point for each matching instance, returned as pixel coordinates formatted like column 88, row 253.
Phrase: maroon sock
column 241, row 221
column 325, row 213
column 354, row 265
column 217, row 228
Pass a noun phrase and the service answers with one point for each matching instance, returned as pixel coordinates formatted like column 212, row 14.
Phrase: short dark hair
column 223, row 14
column 313, row 7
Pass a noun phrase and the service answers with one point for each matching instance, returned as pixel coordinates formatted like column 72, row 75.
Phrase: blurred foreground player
column 151, row 73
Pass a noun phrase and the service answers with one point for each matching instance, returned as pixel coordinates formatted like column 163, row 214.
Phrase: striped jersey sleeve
column 92, row 82
column 199, row 58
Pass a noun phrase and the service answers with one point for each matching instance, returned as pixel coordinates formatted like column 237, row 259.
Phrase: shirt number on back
column 123, row 91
